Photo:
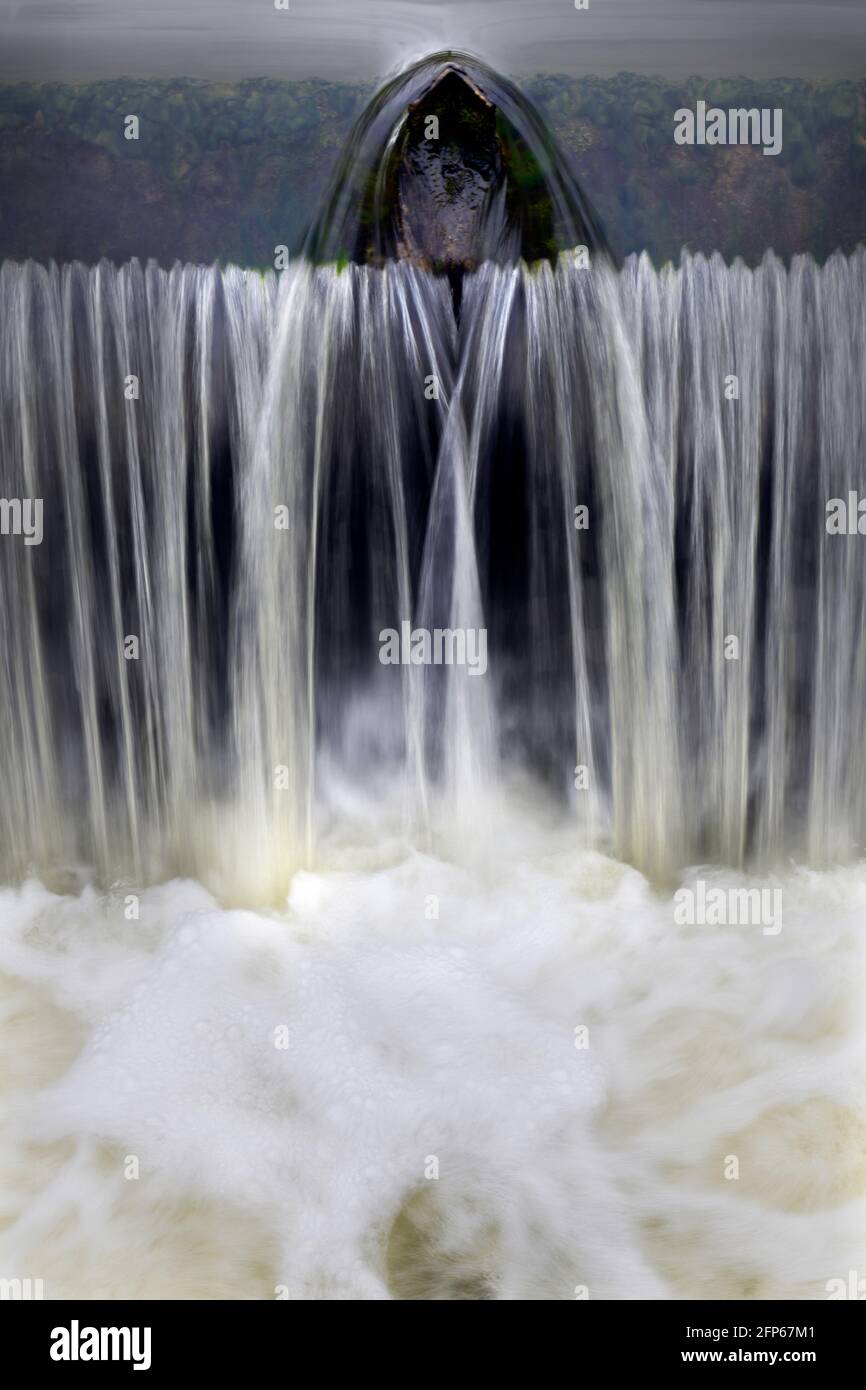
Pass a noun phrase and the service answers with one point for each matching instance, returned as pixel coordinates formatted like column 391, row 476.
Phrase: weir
column 258, row 644
column 284, row 489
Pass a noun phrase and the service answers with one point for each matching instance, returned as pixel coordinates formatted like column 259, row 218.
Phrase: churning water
column 297, row 983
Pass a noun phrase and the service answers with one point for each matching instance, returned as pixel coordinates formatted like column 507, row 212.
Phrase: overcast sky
column 79, row 39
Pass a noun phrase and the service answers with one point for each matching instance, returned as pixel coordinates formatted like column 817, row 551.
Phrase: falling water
column 280, row 485
column 371, row 969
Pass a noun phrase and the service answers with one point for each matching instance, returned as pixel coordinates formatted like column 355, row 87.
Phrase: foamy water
column 345, row 1006
column 355, row 1097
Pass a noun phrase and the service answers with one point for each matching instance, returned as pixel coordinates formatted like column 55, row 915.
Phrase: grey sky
column 78, row 39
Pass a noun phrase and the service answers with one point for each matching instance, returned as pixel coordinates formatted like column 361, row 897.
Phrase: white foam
column 411, row 1039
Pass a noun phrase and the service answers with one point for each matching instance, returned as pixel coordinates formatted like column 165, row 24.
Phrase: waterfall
column 246, row 479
